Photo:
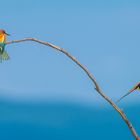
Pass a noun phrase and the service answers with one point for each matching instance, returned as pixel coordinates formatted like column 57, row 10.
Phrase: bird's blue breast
column 2, row 44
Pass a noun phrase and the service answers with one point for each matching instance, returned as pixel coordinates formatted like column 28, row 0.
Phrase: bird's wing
column 137, row 86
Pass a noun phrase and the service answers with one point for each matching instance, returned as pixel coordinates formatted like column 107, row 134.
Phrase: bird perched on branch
column 137, row 86
column 3, row 54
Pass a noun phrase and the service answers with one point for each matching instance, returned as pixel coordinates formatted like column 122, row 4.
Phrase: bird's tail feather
column 4, row 56
column 123, row 96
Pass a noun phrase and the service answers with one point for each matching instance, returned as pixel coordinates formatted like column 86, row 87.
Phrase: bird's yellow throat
column 2, row 38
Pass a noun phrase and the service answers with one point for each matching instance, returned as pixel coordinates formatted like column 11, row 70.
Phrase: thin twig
column 98, row 89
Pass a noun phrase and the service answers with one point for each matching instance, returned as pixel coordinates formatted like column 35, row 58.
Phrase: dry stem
column 98, row 89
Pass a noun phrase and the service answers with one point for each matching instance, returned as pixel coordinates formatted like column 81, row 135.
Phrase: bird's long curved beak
column 7, row 34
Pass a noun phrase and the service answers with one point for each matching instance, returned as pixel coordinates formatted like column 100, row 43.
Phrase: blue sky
column 102, row 35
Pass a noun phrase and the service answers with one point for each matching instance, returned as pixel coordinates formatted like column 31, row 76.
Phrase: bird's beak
column 7, row 34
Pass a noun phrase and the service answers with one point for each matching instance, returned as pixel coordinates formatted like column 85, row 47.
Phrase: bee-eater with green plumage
column 137, row 86
column 3, row 54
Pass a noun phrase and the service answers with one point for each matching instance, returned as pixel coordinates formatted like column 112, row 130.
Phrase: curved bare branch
column 98, row 89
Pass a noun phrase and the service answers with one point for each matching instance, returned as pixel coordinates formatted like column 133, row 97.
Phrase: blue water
column 63, row 121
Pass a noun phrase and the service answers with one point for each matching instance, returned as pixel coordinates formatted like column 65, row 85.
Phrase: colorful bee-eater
column 3, row 54
column 137, row 86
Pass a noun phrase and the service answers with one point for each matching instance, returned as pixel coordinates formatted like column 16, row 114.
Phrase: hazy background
column 43, row 94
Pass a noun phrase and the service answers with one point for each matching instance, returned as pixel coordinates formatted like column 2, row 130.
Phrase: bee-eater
column 137, row 86
column 3, row 54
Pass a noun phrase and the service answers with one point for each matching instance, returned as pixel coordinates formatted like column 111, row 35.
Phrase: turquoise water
column 63, row 121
